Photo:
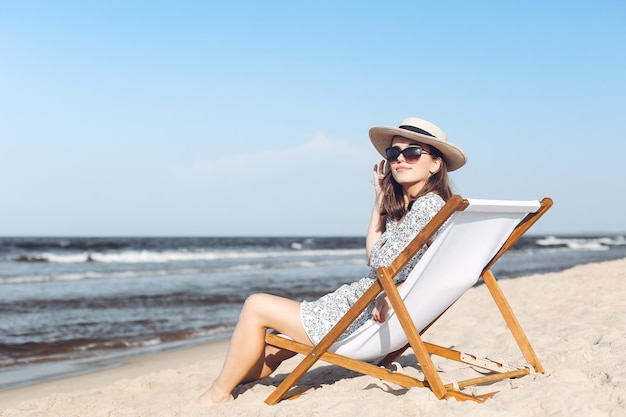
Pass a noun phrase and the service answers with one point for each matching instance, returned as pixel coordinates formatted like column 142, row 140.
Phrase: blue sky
column 251, row 118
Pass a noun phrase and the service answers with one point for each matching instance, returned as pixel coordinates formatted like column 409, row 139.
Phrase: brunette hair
column 393, row 206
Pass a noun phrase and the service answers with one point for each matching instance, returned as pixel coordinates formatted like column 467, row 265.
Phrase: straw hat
column 424, row 132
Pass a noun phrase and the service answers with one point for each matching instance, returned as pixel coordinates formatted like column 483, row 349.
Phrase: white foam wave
column 31, row 279
column 185, row 256
column 591, row 244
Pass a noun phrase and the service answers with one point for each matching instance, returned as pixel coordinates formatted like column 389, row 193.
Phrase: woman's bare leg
column 248, row 356
column 267, row 364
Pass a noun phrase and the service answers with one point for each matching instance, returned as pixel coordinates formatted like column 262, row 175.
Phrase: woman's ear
column 435, row 166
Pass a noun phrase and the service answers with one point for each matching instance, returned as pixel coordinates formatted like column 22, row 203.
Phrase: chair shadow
column 398, row 392
column 324, row 375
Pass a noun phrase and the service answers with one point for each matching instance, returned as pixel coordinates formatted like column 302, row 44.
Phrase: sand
column 575, row 320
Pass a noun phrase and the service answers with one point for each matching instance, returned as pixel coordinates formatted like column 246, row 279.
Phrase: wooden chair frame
column 421, row 349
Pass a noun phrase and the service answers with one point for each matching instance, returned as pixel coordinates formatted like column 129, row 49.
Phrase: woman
column 411, row 186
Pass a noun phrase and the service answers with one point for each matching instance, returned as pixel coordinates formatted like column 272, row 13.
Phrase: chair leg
column 417, row 344
column 511, row 321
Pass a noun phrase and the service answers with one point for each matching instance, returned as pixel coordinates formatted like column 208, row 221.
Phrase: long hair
column 393, row 204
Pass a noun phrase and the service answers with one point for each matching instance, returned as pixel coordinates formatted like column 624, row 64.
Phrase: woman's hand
column 381, row 308
column 379, row 173
column 376, row 227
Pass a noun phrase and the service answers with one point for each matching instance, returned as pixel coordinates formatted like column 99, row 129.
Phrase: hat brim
column 381, row 137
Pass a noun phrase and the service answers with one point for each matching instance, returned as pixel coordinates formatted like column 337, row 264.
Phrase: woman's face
column 413, row 177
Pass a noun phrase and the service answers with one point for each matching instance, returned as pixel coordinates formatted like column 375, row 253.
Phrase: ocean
column 70, row 305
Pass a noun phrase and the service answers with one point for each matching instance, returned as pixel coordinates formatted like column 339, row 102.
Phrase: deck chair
column 474, row 235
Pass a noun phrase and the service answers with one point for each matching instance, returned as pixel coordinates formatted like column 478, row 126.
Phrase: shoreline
column 21, row 376
column 574, row 319
column 112, row 370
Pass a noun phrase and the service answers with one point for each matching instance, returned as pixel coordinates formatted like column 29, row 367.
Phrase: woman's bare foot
column 213, row 396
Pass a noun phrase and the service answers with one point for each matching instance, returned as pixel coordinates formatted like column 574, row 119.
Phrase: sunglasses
column 411, row 154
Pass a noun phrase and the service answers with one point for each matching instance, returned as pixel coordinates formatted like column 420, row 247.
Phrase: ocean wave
column 241, row 267
column 179, row 256
column 579, row 243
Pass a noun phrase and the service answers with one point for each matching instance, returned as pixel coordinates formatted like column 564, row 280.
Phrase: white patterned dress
column 319, row 316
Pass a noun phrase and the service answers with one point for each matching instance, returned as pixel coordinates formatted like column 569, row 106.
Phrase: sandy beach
column 575, row 320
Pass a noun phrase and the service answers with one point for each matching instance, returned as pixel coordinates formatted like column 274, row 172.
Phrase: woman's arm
column 376, row 226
